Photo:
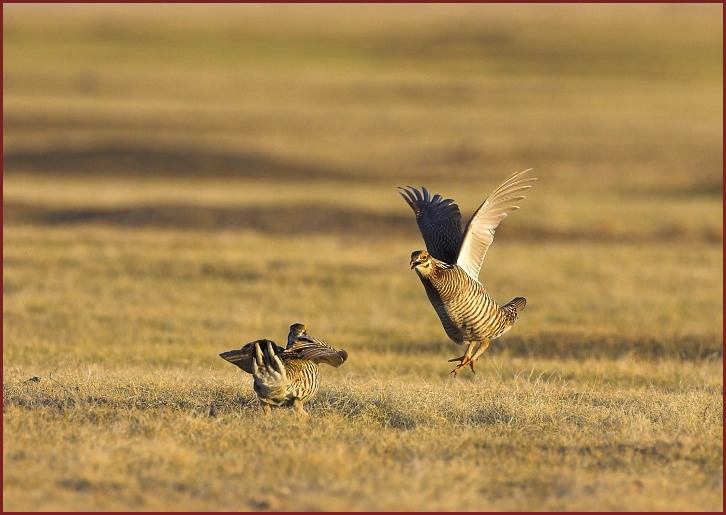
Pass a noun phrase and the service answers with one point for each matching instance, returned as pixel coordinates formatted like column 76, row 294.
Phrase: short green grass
column 181, row 180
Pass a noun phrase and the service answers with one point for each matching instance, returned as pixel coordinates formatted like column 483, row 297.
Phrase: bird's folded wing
column 439, row 221
column 479, row 233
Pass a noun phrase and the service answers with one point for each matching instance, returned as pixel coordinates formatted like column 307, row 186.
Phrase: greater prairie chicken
column 449, row 268
column 289, row 376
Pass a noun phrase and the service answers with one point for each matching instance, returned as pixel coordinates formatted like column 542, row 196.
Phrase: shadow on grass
column 146, row 162
column 298, row 219
column 572, row 346
column 50, row 394
column 305, row 219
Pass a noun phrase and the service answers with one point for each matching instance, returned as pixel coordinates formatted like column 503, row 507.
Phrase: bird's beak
column 413, row 263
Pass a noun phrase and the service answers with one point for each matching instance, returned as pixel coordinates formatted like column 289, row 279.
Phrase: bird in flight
column 289, row 376
column 449, row 267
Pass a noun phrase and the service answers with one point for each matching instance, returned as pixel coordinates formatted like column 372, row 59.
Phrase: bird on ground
column 289, row 376
column 449, row 267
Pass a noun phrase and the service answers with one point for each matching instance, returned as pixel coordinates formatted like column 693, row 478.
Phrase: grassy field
column 179, row 180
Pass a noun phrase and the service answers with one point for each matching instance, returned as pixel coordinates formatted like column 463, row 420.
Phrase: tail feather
column 271, row 380
column 518, row 303
column 244, row 357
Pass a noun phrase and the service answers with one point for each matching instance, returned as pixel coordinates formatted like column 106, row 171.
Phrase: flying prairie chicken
column 289, row 376
column 449, row 268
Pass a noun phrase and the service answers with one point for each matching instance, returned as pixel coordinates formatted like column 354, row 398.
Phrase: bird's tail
column 244, row 357
column 518, row 303
column 269, row 371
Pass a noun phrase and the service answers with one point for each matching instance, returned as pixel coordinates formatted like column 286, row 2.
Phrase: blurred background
column 243, row 141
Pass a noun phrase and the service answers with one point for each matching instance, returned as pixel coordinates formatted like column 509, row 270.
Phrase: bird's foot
column 299, row 410
column 464, row 361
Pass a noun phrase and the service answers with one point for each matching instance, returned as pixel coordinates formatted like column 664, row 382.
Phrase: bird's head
column 422, row 262
column 298, row 329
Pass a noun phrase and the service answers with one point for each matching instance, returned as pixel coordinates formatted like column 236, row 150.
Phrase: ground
column 180, row 180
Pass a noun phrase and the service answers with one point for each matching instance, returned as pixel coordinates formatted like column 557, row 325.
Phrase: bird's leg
column 265, row 407
column 298, row 406
column 465, row 359
column 482, row 347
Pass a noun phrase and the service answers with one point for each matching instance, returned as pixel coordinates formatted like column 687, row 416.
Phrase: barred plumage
column 290, row 376
column 449, row 270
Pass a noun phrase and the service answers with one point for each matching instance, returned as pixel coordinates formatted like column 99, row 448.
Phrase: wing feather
column 310, row 348
column 479, row 232
column 439, row 221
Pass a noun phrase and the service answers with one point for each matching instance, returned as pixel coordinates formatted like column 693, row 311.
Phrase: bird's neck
column 435, row 271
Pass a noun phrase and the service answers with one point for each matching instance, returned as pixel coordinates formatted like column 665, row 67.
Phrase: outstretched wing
column 479, row 232
column 439, row 221
column 310, row 348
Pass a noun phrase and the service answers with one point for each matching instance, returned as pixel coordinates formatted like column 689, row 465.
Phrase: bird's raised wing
column 479, row 232
column 439, row 221
column 317, row 351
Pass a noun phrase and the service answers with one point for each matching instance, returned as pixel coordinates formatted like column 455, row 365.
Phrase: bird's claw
column 464, row 361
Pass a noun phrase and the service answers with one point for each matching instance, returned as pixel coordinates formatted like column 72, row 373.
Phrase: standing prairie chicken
column 449, row 269
column 289, row 376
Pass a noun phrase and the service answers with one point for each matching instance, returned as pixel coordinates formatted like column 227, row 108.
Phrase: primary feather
column 479, row 232
column 439, row 221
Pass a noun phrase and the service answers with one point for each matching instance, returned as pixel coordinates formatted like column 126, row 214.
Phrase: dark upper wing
column 318, row 351
column 439, row 221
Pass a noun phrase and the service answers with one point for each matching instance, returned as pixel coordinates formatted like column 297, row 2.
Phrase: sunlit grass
column 180, row 180
column 565, row 445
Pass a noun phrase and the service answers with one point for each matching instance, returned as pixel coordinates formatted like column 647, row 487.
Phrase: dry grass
column 180, row 183
column 144, row 440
